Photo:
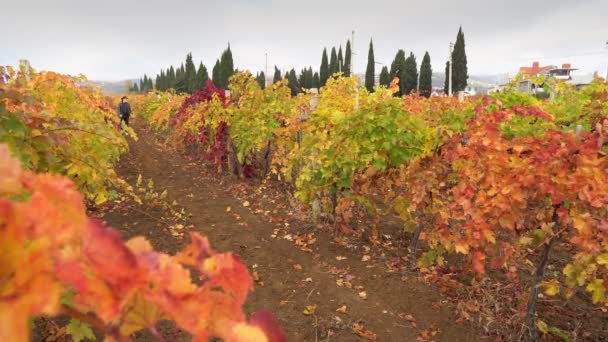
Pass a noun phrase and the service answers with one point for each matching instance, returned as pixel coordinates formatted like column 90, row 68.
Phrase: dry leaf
column 361, row 331
column 341, row 309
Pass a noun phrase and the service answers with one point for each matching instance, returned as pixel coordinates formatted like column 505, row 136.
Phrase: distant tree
column 347, row 55
column 171, row 77
column 190, row 75
column 202, row 76
column 397, row 67
column 385, row 78
column 447, row 78
column 135, row 88
column 370, row 72
column 425, row 85
column 316, row 83
column 310, row 78
column 261, row 77
column 142, row 84
column 460, row 74
column 216, row 74
column 410, row 75
column 340, row 60
column 324, row 69
column 277, row 75
column 333, row 62
column 293, row 82
column 226, row 67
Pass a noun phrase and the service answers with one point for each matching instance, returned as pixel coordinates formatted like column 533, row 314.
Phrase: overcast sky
column 118, row 39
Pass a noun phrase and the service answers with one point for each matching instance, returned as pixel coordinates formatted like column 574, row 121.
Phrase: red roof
column 535, row 69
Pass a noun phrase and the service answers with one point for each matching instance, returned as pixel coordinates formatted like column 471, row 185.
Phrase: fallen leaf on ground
column 366, row 258
column 361, row 331
column 297, row 267
column 308, row 280
column 341, row 309
column 309, row 310
column 246, row 204
column 363, row 295
column 340, row 258
column 228, row 209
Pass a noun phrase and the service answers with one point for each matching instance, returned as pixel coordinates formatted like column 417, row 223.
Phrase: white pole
column 266, row 72
column 352, row 54
column 450, row 76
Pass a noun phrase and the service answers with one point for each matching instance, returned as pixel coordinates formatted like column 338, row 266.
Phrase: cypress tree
column 261, row 78
column 310, row 78
column 293, row 82
column 202, row 76
column 370, row 72
column 347, row 56
column 302, row 77
column 340, row 60
column 171, row 83
column 459, row 58
column 190, row 75
column 226, row 67
column 385, row 78
column 447, row 77
column 410, row 75
column 316, row 83
column 216, row 74
column 333, row 62
column 426, row 76
column 397, row 67
column 324, row 69
column 277, row 75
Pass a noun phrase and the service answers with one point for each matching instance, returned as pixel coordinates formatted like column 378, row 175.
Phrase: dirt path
column 290, row 277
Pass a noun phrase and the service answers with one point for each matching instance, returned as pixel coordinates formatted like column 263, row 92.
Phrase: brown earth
column 296, row 264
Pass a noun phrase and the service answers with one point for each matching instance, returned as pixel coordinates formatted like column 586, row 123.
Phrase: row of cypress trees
column 188, row 79
column 406, row 70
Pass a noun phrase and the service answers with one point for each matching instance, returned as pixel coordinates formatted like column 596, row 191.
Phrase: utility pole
column 266, row 72
column 450, row 71
column 352, row 54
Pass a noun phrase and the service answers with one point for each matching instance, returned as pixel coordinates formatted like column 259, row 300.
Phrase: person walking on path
column 124, row 111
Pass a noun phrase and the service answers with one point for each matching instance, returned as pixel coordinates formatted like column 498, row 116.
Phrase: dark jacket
column 124, row 109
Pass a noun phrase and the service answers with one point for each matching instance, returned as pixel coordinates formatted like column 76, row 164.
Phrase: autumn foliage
column 51, row 249
column 500, row 181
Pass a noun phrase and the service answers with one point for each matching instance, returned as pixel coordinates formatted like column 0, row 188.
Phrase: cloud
column 123, row 39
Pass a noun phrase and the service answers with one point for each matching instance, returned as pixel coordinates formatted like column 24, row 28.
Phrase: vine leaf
column 139, row 314
column 79, row 331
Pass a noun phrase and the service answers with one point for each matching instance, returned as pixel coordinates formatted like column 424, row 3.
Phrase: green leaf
column 79, row 331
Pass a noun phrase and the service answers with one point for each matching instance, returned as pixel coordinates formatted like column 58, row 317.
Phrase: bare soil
column 296, row 264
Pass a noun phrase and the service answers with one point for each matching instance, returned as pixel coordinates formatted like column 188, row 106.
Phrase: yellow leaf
column 310, row 309
column 551, row 287
column 598, row 291
column 139, row 314
column 602, row 259
column 462, row 248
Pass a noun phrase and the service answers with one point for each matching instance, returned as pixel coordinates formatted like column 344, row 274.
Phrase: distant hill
column 113, row 87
